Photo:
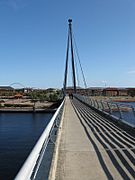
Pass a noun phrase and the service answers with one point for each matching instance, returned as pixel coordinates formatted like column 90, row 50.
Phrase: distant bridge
column 18, row 84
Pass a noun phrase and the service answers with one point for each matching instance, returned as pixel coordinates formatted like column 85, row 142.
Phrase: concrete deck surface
column 77, row 158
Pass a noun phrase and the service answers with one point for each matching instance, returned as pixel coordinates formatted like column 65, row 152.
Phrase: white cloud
column 15, row 4
column 131, row 72
column 103, row 81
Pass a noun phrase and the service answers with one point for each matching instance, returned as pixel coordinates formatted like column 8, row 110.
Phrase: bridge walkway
column 91, row 147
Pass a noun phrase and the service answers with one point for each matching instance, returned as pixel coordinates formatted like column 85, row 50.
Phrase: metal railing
column 32, row 163
column 120, row 111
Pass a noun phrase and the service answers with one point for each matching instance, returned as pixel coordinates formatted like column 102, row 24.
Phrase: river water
column 127, row 116
column 19, row 133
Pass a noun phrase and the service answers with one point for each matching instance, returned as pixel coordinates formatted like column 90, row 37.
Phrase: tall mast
column 70, row 43
column 72, row 54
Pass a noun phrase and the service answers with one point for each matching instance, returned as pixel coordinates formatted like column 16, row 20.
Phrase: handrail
column 110, row 108
column 26, row 171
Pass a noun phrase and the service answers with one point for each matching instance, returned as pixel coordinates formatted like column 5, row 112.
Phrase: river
column 127, row 116
column 19, row 133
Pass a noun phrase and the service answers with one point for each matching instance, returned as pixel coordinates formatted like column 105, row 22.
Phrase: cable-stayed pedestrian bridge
column 87, row 139
column 89, row 145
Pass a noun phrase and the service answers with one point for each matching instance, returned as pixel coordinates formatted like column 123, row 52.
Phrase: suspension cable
column 76, row 50
column 77, row 72
column 66, row 65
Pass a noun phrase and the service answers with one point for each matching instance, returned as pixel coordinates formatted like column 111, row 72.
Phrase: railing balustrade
column 121, row 111
column 32, row 163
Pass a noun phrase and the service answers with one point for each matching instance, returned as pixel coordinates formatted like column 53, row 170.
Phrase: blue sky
column 33, row 35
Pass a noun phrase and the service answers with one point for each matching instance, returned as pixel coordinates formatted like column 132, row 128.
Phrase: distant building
column 95, row 91
column 99, row 91
column 131, row 91
column 110, row 92
column 24, row 90
column 79, row 90
column 123, row 92
column 6, row 90
column 115, row 92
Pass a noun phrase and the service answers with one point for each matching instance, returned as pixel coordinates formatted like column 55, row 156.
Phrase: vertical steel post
column 110, row 110
column 102, row 105
column 90, row 101
column 133, row 109
column 93, row 103
column 97, row 104
column 119, row 110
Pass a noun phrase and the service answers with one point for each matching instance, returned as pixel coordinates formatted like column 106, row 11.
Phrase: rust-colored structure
column 110, row 92
column 115, row 92
column 123, row 92
column 97, row 91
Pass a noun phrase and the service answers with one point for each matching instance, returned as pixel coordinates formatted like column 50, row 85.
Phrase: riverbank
column 124, row 100
column 114, row 98
column 21, row 105
column 28, row 110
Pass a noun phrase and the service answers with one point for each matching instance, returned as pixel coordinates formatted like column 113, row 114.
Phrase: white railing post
column 97, row 104
column 119, row 110
column 94, row 103
column 102, row 105
column 90, row 101
column 110, row 110
column 133, row 110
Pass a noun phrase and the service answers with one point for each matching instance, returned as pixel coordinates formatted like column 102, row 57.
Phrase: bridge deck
column 93, row 148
